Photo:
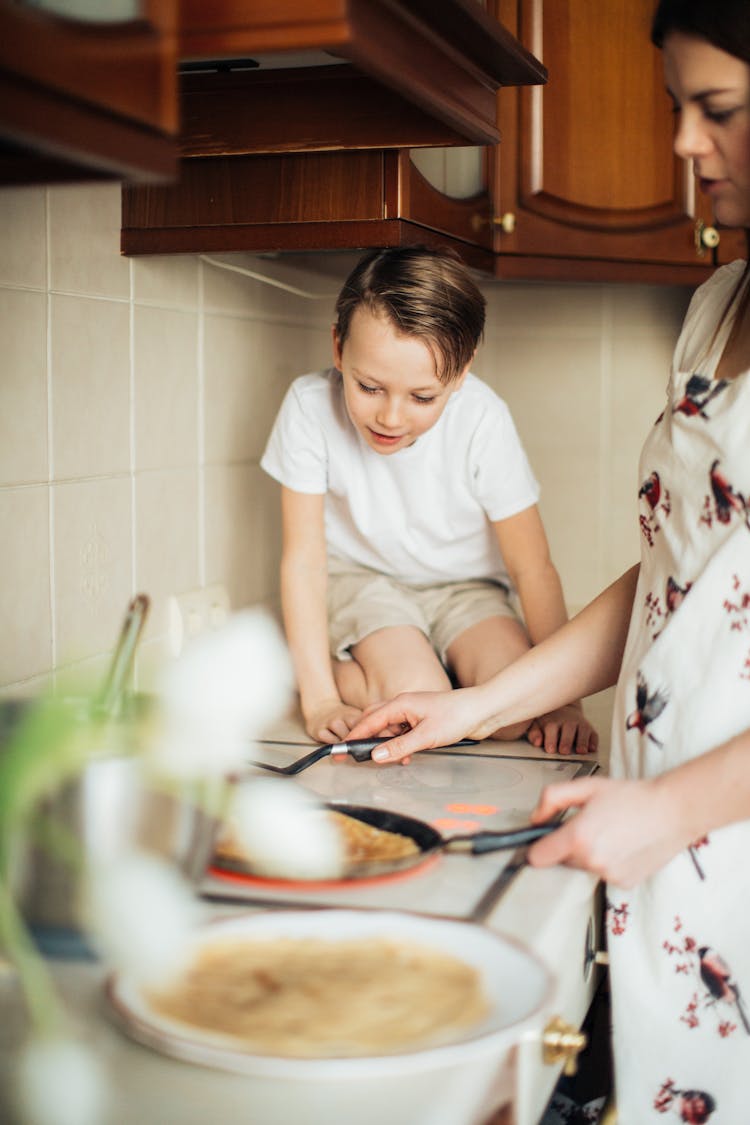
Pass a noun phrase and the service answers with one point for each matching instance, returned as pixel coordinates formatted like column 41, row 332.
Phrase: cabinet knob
column 506, row 221
column 562, row 1043
column 706, row 238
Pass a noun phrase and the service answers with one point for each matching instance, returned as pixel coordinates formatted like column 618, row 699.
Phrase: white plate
column 462, row 1082
column 515, row 982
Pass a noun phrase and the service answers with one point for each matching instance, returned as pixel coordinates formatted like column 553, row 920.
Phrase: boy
column 408, row 507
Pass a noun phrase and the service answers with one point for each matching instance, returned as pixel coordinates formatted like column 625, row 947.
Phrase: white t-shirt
column 420, row 515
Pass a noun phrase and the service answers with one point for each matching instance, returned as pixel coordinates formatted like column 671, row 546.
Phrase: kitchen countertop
column 555, row 912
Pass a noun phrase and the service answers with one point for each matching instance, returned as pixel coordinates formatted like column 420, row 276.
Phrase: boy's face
column 391, row 390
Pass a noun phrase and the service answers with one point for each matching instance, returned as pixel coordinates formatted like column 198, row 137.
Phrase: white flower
column 224, row 691
column 140, row 915
column 60, row 1083
column 284, row 831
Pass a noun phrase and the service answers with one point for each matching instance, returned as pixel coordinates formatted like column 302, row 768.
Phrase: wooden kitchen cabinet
column 315, row 155
column 583, row 186
column 87, row 100
column 298, row 201
column 446, row 58
column 733, row 245
column 587, row 181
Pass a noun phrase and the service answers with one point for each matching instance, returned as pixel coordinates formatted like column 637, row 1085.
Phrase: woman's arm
column 304, row 581
column 582, row 657
column 626, row 830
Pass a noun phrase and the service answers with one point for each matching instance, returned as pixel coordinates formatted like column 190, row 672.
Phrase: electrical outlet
column 195, row 612
column 217, row 605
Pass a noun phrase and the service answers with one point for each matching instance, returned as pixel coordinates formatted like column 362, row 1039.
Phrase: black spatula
column 360, row 749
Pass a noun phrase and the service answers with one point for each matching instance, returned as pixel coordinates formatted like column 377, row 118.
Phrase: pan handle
column 482, row 842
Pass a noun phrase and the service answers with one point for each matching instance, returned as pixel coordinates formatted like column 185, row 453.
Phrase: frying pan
column 428, row 840
column 359, row 749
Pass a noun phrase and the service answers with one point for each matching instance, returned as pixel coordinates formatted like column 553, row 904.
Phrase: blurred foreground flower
column 284, row 831
column 60, row 1083
column 226, row 689
column 140, row 912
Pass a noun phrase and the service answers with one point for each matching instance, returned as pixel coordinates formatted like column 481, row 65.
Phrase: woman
column 670, row 830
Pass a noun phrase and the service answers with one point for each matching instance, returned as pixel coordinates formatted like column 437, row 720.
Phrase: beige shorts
column 361, row 601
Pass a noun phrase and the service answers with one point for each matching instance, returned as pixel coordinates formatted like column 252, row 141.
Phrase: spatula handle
column 512, row 838
column 361, row 748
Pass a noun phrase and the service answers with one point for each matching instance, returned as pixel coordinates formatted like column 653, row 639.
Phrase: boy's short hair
column 425, row 293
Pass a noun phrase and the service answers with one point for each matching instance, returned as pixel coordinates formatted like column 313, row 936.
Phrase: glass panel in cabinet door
column 455, row 172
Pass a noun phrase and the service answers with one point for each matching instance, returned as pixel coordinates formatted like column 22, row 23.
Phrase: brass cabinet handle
column 562, row 1043
column 706, row 238
column 507, row 222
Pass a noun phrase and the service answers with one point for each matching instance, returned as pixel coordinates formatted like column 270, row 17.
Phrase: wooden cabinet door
column 298, row 201
column 732, row 245
column 88, row 99
column 586, row 172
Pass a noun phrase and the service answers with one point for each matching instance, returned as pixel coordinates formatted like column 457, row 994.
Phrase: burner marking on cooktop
column 452, row 824
column 478, row 810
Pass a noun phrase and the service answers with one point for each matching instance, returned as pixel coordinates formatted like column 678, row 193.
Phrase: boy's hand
column 331, row 721
column 563, row 731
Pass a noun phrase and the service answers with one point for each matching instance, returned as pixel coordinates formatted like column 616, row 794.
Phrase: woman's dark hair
column 724, row 24
column 425, row 293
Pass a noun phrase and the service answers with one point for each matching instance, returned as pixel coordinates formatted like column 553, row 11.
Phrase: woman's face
column 711, row 92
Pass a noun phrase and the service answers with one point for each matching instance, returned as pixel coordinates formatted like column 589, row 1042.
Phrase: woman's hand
column 564, row 730
column 331, row 721
column 428, row 719
column 623, row 832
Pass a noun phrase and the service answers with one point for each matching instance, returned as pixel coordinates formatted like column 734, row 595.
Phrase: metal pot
column 108, row 811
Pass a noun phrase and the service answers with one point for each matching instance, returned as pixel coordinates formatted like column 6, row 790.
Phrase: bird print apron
column 680, row 942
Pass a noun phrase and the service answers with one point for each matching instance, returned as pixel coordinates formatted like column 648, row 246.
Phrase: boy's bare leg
column 350, row 681
column 484, row 649
column 387, row 662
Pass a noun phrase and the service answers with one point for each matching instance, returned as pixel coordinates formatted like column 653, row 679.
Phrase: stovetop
column 456, row 792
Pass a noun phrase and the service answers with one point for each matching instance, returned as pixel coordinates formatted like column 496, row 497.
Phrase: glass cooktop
column 457, row 792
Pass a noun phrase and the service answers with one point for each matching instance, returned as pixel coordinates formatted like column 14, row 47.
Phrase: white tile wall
column 23, row 393
column 23, row 238
column 584, row 370
column 89, row 386
column 168, row 538
column 165, row 387
column 93, row 575
column 25, row 609
column 136, row 396
column 135, row 399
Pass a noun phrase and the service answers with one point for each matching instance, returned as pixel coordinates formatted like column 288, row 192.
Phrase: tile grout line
column 201, row 423
column 131, row 428
column 50, row 440
column 605, row 433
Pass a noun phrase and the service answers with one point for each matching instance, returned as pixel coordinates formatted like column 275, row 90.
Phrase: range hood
column 297, row 75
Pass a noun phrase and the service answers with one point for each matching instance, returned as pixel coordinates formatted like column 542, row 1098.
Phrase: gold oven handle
column 562, row 1043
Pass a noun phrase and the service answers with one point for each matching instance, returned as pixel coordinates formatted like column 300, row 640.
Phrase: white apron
column 680, row 942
